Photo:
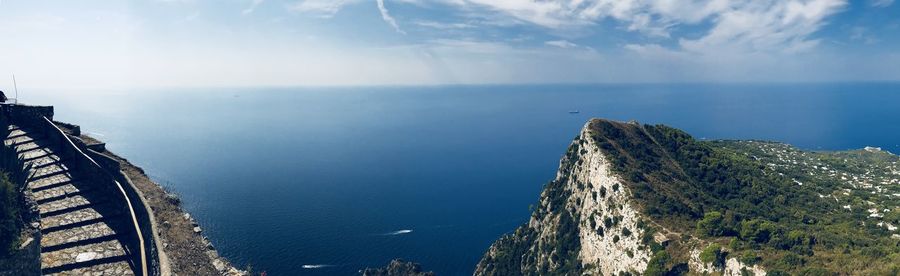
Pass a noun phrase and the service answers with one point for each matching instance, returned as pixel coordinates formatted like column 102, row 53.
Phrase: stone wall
column 26, row 115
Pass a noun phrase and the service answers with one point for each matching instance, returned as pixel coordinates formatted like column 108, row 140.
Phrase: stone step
column 44, row 160
column 110, row 266
column 34, row 153
column 30, row 145
column 84, row 234
column 84, row 259
column 48, row 170
column 113, row 266
column 66, row 205
column 65, row 188
column 17, row 132
column 14, row 140
column 27, row 139
column 80, row 217
column 48, row 182
column 60, row 192
column 32, row 156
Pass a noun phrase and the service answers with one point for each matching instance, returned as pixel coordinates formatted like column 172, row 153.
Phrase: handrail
column 134, row 221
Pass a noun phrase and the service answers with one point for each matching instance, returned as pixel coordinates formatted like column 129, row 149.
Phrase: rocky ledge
column 397, row 267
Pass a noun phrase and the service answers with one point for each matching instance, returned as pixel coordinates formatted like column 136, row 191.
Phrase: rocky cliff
column 640, row 199
column 397, row 267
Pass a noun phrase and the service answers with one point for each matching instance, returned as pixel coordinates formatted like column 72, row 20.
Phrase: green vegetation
column 9, row 215
column 744, row 190
column 749, row 258
column 790, row 211
column 12, row 173
column 509, row 251
column 657, row 264
column 711, row 225
column 712, row 254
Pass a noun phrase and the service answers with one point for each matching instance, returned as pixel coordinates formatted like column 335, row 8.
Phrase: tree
column 749, row 258
column 712, row 254
column 711, row 224
column 757, row 230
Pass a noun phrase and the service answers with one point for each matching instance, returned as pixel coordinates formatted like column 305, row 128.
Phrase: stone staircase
column 81, row 224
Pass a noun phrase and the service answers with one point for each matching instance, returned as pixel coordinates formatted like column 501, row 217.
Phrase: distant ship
column 574, row 111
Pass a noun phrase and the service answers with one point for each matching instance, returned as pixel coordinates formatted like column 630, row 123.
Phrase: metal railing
column 78, row 153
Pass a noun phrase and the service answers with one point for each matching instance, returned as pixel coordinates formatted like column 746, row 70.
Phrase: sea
column 330, row 180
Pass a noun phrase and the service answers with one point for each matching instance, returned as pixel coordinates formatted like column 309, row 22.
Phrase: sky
column 252, row 43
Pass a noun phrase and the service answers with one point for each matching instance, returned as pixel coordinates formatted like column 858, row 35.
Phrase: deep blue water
column 281, row 178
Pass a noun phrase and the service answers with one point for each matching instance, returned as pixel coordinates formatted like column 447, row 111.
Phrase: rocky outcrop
column 587, row 205
column 731, row 266
column 397, row 267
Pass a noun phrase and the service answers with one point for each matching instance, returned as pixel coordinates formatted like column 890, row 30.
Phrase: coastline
column 184, row 250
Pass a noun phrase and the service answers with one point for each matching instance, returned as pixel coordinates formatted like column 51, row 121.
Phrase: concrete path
column 79, row 224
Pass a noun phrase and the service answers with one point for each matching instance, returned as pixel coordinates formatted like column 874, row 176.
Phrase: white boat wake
column 315, row 266
column 398, row 232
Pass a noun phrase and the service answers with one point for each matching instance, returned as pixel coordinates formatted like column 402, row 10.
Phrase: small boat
column 574, row 111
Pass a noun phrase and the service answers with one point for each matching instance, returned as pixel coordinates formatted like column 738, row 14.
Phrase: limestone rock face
column 586, row 205
column 603, row 197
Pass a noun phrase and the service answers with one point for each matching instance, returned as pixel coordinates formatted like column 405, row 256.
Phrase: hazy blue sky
column 165, row 43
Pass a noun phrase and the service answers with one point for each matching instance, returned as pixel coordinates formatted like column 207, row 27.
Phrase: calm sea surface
column 352, row 177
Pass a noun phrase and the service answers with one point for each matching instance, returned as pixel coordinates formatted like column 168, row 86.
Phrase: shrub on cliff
column 749, row 258
column 712, row 254
column 711, row 224
column 757, row 230
column 657, row 264
column 9, row 215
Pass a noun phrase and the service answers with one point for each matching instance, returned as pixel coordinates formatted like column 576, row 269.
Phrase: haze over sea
column 326, row 181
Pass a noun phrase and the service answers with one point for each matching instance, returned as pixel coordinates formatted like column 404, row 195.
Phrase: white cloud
column 651, row 17
column 387, row 17
column 443, row 25
column 746, row 25
column 471, row 46
column 328, row 8
column 717, row 40
column 881, row 3
column 252, row 7
column 320, row 8
column 565, row 44
column 763, row 26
